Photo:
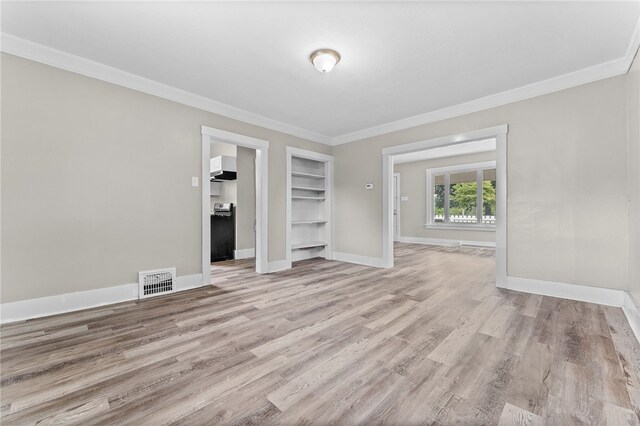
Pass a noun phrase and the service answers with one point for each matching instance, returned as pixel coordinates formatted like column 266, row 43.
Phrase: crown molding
column 634, row 45
column 59, row 59
column 566, row 81
column 40, row 53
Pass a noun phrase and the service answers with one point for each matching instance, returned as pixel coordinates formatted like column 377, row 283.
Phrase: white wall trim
column 376, row 262
column 448, row 140
column 262, row 196
column 70, row 302
column 60, row 59
column 582, row 293
column 279, row 265
column 632, row 312
column 234, row 138
column 244, row 253
column 633, row 46
column 587, row 75
column 77, row 64
column 446, row 242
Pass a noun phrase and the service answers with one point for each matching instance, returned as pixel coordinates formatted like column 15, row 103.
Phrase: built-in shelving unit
column 309, row 177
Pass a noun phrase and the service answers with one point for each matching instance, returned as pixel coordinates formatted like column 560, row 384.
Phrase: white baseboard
column 583, row 293
column 279, row 265
column 187, row 282
column 632, row 312
column 69, row 302
column 244, row 253
column 376, row 262
column 445, row 242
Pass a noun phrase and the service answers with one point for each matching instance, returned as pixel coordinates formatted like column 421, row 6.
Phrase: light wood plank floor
column 431, row 341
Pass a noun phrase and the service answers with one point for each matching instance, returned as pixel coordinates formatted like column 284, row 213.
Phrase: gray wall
column 567, row 180
column 96, row 182
column 633, row 102
column 413, row 214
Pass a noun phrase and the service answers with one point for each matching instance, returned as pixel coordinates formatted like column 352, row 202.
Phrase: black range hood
column 224, row 175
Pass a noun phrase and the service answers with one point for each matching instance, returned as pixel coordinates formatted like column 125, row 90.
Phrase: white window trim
column 471, row 167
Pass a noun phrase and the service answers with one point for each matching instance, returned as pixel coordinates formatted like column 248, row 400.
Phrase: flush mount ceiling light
column 324, row 59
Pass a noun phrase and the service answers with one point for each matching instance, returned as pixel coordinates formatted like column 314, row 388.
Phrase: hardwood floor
column 431, row 341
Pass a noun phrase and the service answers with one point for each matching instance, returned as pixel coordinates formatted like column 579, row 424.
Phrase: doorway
column 261, row 148
column 499, row 133
column 233, row 188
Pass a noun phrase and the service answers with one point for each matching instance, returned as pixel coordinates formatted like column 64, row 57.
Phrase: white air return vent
column 155, row 283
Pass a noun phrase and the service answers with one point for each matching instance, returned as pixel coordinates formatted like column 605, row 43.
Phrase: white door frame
column 396, row 235
column 209, row 135
column 497, row 132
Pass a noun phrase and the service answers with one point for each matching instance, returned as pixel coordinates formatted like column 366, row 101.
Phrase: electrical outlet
column 195, row 181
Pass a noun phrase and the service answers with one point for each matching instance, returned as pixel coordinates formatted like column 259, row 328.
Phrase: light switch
column 368, row 186
column 194, row 181
column 405, row 198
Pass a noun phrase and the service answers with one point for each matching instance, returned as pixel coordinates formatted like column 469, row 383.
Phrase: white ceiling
column 399, row 60
column 447, row 151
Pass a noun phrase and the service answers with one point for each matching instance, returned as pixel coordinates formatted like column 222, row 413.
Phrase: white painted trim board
column 583, row 293
column 279, row 265
column 632, row 312
column 376, row 262
column 446, row 242
column 70, row 302
column 60, row 59
column 79, row 65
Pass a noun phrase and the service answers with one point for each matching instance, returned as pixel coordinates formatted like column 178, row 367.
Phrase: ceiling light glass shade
column 324, row 59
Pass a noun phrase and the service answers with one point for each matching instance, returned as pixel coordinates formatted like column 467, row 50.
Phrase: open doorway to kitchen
column 232, row 190
column 229, row 153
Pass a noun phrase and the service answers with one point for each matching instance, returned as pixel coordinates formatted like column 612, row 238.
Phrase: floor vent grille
column 155, row 283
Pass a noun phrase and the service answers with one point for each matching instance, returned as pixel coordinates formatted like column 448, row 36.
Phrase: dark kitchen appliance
column 223, row 232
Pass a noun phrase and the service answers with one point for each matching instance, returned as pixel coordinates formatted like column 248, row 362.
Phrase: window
column 462, row 196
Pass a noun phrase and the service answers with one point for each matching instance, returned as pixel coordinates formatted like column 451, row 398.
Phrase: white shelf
column 308, row 222
column 307, row 175
column 308, row 215
column 312, row 244
column 308, row 188
column 296, row 197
